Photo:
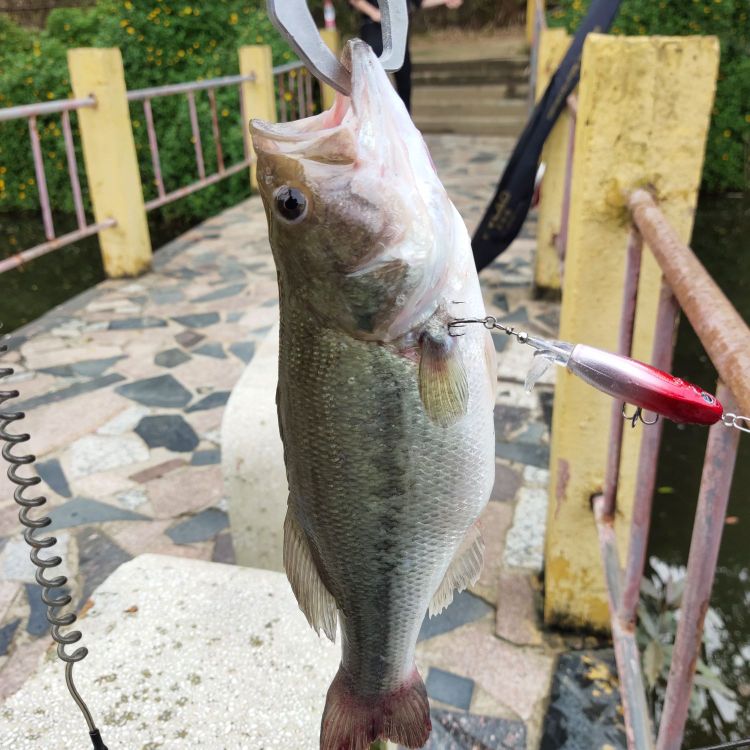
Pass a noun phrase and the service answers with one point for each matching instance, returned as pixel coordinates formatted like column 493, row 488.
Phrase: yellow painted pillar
column 109, row 154
column 644, row 107
column 258, row 95
column 553, row 44
column 333, row 42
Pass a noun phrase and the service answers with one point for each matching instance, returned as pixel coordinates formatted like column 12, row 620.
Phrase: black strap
column 507, row 211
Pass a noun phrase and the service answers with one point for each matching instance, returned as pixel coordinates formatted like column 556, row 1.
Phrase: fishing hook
column 637, row 416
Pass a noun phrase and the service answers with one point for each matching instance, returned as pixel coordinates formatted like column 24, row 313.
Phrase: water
column 720, row 240
column 721, row 228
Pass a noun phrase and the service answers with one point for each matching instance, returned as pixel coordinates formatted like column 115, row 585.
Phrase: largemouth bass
column 386, row 419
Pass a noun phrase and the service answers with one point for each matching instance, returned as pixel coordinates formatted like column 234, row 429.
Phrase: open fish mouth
column 352, row 127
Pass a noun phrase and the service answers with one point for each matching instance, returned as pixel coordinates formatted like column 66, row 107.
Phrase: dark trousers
column 372, row 33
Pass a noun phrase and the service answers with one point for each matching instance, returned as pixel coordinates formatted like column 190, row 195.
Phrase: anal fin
column 314, row 599
column 463, row 571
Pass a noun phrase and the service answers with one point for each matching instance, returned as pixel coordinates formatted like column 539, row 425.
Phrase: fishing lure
column 629, row 380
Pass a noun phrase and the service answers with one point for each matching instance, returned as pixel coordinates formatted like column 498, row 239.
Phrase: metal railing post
column 109, row 154
column 257, row 98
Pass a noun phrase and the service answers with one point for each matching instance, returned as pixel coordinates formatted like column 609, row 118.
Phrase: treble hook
column 637, row 416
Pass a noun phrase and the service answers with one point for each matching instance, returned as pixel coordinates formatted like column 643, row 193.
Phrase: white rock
column 16, row 565
column 536, row 476
column 95, row 453
column 524, row 544
column 132, row 499
column 178, row 649
column 125, row 421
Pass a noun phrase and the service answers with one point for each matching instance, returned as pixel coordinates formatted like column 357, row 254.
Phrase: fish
column 386, row 418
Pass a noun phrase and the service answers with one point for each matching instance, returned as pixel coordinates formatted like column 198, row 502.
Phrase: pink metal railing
column 189, row 90
column 32, row 112
column 294, row 87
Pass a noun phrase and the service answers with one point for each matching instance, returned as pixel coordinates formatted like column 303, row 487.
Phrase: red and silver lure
column 629, row 380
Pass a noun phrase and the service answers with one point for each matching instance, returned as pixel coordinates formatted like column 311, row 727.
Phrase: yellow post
column 111, row 164
column 333, row 42
column 553, row 44
column 644, row 107
column 258, row 95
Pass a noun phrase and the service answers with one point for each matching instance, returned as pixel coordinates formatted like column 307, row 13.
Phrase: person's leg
column 373, row 35
column 403, row 80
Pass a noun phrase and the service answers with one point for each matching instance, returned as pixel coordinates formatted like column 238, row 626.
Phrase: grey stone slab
column 169, row 431
column 224, row 549
column 462, row 731
column 507, row 483
column 243, row 350
column 211, row 349
column 171, row 358
column 224, row 292
column 525, row 453
column 7, row 632
column 585, row 707
column 90, row 368
column 501, row 301
column 546, row 399
column 70, row 392
column 519, row 315
column 82, row 510
column 449, row 688
column 206, row 457
column 127, row 324
column 188, row 338
column 482, row 157
column 234, row 316
column 262, row 331
column 52, row 473
column 509, row 419
column 98, row 556
column 167, row 296
column 163, row 390
column 464, row 608
column 500, row 342
column 197, row 320
column 270, row 303
column 205, row 525
column 37, row 624
column 212, row 401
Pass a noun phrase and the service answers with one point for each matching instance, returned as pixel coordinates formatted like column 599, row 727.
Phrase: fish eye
column 707, row 398
column 291, row 204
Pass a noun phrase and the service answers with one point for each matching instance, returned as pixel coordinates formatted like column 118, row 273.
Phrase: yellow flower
column 130, row 30
column 50, row 95
column 225, row 112
column 127, row 5
column 747, row 119
column 259, row 39
column 186, row 11
column 30, row 180
column 66, row 27
column 233, row 18
column 288, row 96
column 3, row 170
column 180, row 53
column 727, row 133
column 2, row 184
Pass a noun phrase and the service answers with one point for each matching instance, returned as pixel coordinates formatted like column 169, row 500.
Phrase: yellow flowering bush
column 727, row 165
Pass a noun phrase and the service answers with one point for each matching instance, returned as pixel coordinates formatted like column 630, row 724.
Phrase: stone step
column 468, row 101
column 500, row 71
column 476, row 125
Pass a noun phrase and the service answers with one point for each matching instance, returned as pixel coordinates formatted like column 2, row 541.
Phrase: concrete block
column 183, row 653
column 253, row 461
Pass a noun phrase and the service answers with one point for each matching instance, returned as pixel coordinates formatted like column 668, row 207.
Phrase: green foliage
column 727, row 164
column 658, row 615
column 161, row 42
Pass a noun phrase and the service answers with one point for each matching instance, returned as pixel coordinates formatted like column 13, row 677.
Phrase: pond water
column 720, row 238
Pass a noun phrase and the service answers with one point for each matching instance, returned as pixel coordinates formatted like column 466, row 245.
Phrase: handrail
column 138, row 95
column 45, row 108
column 721, row 329
column 287, row 67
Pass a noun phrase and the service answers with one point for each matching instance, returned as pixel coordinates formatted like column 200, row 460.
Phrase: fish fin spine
column 463, row 571
column 354, row 722
column 314, row 599
column 443, row 383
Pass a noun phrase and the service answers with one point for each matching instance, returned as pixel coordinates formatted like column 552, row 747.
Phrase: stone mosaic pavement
column 124, row 389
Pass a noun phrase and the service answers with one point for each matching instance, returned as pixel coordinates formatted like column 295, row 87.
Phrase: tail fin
column 352, row 722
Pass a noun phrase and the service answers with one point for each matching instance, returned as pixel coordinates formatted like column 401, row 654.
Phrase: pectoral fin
column 313, row 597
column 463, row 571
column 443, row 385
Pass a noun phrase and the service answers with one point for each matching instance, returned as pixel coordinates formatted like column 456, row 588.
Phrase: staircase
column 476, row 97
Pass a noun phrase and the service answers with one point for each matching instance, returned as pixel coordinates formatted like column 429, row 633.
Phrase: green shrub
column 727, row 165
column 161, row 42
